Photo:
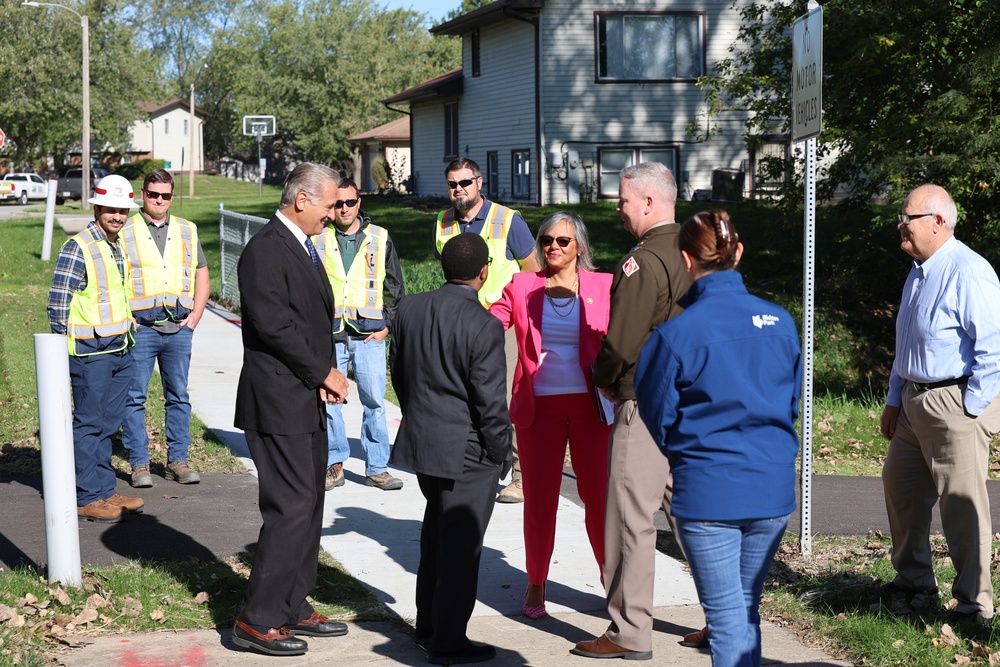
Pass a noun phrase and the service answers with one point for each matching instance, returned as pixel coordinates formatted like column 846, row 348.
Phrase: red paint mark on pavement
column 193, row 657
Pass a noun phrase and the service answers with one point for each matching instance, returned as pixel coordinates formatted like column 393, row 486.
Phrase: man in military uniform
column 512, row 249
column 647, row 284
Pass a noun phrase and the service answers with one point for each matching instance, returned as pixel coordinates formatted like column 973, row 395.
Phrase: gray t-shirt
column 159, row 234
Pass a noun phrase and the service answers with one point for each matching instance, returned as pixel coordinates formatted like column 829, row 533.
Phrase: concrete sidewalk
column 375, row 535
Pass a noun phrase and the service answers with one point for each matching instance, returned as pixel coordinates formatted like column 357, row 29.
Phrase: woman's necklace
column 563, row 308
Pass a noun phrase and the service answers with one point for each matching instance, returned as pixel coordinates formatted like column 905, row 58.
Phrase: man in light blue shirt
column 940, row 413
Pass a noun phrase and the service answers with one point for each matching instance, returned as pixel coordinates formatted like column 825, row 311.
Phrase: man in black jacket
column 449, row 372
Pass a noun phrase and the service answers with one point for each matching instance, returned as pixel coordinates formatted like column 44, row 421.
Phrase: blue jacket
column 718, row 387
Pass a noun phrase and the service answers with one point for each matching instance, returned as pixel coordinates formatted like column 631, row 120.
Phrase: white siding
column 427, row 141
column 580, row 114
column 174, row 146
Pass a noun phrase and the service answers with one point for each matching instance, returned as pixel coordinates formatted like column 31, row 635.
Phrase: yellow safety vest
column 98, row 315
column 495, row 230
column 162, row 286
column 357, row 295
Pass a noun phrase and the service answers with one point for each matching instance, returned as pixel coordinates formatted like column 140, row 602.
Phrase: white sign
column 807, row 75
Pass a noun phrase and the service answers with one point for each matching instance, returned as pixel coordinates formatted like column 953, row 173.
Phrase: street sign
column 807, row 75
column 3, row 139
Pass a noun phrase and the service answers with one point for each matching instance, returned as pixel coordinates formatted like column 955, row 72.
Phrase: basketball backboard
column 258, row 126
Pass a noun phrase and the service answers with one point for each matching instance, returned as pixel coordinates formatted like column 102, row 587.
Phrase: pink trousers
column 542, row 448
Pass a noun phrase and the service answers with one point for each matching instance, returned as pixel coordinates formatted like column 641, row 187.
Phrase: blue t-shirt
column 520, row 242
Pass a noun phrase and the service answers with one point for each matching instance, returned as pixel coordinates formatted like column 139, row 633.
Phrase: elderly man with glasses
column 167, row 294
column 367, row 280
column 512, row 249
column 941, row 411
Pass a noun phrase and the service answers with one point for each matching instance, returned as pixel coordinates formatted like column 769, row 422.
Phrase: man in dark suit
column 289, row 371
column 449, row 372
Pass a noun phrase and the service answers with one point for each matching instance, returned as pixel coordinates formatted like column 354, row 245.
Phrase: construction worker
column 367, row 281
column 167, row 294
column 88, row 304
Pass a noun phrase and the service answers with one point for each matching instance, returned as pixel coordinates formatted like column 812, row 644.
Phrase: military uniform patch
column 630, row 267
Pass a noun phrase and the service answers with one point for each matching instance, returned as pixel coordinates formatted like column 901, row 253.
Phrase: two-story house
column 555, row 97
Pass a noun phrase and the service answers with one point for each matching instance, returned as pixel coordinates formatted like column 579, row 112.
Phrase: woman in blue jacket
column 718, row 387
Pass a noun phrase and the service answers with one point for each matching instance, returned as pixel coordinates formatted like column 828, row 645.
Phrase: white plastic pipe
column 55, row 419
column 50, row 217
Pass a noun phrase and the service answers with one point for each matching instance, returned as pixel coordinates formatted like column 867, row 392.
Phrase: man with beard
column 511, row 247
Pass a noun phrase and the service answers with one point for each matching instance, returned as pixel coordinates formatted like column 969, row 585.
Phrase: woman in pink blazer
column 559, row 315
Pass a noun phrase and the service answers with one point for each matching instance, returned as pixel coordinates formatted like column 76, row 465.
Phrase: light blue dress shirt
column 948, row 326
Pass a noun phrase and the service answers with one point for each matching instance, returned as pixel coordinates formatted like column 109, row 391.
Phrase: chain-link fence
column 235, row 230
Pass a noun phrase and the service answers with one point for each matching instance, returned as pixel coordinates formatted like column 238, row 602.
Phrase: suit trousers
column 560, row 418
column 940, row 452
column 290, row 473
column 510, row 351
column 451, row 544
column 639, row 483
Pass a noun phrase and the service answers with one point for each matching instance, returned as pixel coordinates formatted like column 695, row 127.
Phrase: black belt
column 924, row 386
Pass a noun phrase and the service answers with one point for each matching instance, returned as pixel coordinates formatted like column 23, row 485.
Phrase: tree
column 910, row 94
column 465, row 7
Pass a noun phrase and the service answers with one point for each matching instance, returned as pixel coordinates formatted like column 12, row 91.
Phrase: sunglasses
column 165, row 196
column 464, row 183
column 350, row 203
column 546, row 241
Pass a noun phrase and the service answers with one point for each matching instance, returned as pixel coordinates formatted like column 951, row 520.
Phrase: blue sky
column 435, row 8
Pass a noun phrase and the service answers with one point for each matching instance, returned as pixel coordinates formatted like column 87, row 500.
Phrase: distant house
column 389, row 143
column 165, row 135
column 555, row 97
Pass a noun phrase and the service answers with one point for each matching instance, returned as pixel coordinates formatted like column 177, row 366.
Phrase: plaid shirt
column 70, row 277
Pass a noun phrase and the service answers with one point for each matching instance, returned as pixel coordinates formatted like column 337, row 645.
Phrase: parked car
column 23, row 187
column 71, row 184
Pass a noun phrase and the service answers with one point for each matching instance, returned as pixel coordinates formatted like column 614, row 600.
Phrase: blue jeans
column 172, row 352
column 100, row 383
column 729, row 561
column 368, row 360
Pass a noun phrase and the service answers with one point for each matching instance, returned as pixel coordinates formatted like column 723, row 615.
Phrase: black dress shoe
column 318, row 625
column 474, row 652
column 276, row 642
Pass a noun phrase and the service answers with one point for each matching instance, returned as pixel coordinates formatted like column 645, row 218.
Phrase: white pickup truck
column 21, row 187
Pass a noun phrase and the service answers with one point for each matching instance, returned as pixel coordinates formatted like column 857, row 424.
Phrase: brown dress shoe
column 133, row 505
column 100, row 511
column 182, row 472
column 276, row 642
column 318, row 625
column 602, row 647
column 696, row 639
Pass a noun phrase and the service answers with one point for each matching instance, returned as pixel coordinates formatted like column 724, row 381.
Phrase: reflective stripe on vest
column 358, row 294
column 162, row 285
column 98, row 315
column 495, row 230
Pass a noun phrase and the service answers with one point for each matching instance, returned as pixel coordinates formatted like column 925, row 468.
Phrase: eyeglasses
column 464, row 183
column 489, row 261
column 906, row 219
column 350, row 203
column 546, row 241
column 165, row 196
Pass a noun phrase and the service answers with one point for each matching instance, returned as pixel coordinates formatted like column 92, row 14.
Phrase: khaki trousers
column 939, row 452
column 639, row 482
column 510, row 350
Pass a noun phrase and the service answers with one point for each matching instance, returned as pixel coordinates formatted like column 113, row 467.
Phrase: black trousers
column 451, row 544
column 290, row 475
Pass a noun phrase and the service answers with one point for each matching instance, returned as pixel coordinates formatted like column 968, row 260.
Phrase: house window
column 450, row 130
column 613, row 160
column 520, row 174
column 185, row 127
column 492, row 175
column 650, row 46
column 475, row 53
column 166, row 126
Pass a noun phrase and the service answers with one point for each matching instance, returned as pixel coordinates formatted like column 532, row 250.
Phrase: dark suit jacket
column 449, row 372
column 287, row 311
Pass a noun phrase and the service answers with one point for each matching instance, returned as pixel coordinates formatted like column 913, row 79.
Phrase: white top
column 559, row 369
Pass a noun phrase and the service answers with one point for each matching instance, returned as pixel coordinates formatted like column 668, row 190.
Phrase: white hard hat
column 114, row 191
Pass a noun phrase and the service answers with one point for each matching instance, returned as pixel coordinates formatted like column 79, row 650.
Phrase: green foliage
column 138, row 170
column 465, row 7
column 909, row 97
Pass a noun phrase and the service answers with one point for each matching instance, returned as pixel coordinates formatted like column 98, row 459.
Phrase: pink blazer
column 521, row 306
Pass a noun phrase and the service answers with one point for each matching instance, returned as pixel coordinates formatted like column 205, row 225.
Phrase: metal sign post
column 807, row 122
column 259, row 127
